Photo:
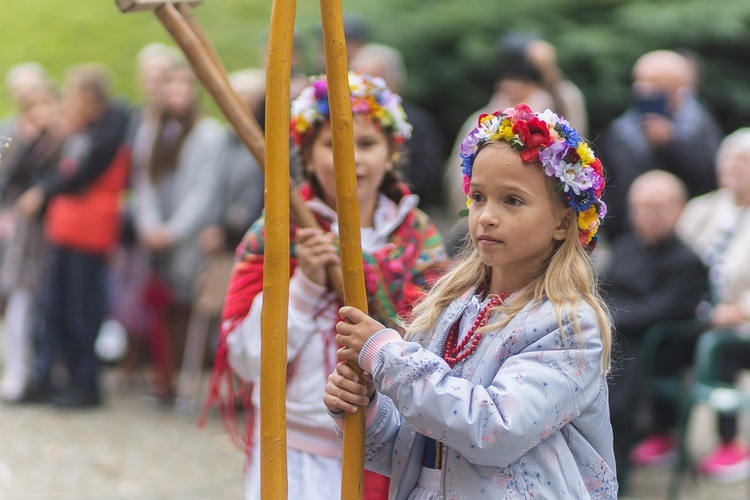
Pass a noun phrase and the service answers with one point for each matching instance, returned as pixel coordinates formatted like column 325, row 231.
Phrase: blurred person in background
column 82, row 196
column 22, row 82
column 129, row 265
column 241, row 185
column 152, row 63
column 569, row 100
column 34, row 154
column 652, row 277
column 174, row 193
column 425, row 150
column 666, row 127
column 717, row 227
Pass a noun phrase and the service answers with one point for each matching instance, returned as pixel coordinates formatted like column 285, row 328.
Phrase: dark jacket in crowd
column 648, row 284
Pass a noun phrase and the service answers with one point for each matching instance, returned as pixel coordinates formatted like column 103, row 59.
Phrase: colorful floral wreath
column 550, row 140
column 370, row 96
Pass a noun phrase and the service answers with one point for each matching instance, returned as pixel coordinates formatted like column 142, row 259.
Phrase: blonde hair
column 567, row 280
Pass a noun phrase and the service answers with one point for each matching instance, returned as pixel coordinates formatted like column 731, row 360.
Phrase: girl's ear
column 564, row 225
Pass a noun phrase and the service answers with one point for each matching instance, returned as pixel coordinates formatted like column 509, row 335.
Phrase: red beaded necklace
column 454, row 352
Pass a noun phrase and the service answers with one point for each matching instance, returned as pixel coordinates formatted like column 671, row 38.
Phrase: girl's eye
column 477, row 197
column 365, row 143
column 512, row 200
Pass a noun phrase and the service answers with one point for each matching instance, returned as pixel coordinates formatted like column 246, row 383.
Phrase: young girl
column 402, row 253
column 499, row 390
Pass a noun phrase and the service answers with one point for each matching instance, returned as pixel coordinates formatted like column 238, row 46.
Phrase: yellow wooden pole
column 348, row 218
column 274, row 314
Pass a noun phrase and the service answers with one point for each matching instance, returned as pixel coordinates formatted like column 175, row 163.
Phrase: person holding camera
column 665, row 127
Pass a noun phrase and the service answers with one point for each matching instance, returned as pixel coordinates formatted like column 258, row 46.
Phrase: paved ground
column 128, row 449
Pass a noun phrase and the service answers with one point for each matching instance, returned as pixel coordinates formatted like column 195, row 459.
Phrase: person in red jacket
column 81, row 225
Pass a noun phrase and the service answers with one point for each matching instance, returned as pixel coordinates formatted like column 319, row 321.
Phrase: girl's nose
column 489, row 216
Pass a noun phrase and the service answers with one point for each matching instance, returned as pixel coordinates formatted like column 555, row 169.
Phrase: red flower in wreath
column 597, row 166
column 534, row 134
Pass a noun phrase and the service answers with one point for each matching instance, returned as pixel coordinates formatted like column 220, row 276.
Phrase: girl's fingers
column 351, row 385
column 345, row 371
column 304, row 234
column 344, row 393
column 346, row 353
column 352, row 314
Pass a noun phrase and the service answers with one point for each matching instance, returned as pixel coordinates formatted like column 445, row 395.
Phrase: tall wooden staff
column 347, row 208
column 274, row 313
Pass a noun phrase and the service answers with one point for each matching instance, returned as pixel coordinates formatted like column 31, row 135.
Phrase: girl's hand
column 354, row 332
column 315, row 250
column 344, row 392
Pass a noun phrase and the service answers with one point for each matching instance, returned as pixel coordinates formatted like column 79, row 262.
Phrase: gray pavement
column 129, row 449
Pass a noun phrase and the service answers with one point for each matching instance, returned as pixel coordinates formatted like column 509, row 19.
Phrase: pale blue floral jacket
column 526, row 416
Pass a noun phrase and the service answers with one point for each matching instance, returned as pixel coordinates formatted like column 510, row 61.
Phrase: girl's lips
column 487, row 239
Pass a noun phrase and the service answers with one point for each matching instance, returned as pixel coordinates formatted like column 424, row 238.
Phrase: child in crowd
column 402, row 255
column 499, row 388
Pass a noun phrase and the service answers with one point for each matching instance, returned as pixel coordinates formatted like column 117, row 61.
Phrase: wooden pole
column 347, row 208
column 273, row 457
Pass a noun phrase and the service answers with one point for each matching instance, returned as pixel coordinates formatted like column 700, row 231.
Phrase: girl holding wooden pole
column 402, row 255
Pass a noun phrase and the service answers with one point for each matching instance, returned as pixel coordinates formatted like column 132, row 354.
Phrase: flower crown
column 370, row 96
column 549, row 140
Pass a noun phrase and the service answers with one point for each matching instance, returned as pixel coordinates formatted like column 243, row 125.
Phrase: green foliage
column 451, row 46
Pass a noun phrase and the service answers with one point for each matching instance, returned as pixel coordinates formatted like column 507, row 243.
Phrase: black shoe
column 36, row 393
column 76, row 397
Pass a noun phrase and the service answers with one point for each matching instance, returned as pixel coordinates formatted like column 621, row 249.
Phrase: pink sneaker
column 659, row 449
column 729, row 462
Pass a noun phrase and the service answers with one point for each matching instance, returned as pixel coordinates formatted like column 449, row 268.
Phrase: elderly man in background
column 652, row 278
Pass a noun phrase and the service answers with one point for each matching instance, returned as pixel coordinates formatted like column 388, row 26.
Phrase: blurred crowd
column 119, row 222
